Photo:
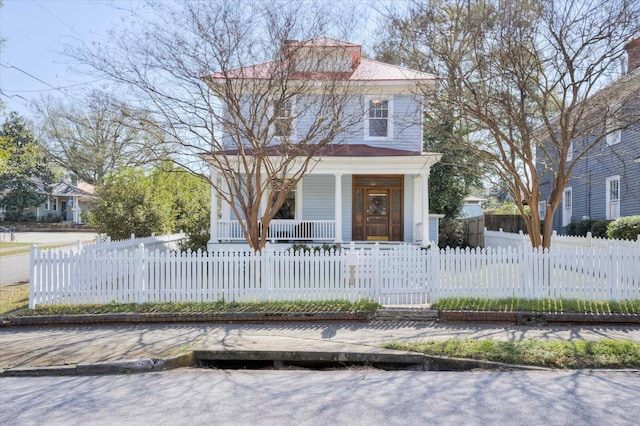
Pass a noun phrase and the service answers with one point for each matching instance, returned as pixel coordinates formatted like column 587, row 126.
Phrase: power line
column 54, row 16
column 55, row 88
column 40, row 80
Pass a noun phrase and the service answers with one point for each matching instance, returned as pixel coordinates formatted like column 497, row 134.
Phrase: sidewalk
column 87, row 345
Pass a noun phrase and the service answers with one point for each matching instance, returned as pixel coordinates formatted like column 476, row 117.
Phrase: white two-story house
column 372, row 185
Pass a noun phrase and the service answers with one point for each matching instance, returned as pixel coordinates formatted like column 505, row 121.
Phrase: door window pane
column 377, row 205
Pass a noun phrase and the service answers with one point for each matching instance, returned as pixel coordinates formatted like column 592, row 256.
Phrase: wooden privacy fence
column 404, row 274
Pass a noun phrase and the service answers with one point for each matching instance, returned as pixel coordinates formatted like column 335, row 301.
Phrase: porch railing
column 282, row 230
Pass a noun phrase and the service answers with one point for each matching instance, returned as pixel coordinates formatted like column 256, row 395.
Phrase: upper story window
column 570, row 152
column 379, row 123
column 283, row 112
column 614, row 137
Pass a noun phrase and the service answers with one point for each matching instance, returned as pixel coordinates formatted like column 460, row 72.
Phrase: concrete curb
column 386, row 359
column 142, row 365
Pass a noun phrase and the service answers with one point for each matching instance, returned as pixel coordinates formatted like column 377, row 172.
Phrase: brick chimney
column 633, row 54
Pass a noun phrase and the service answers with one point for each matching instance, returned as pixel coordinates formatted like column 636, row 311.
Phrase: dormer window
column 378, row 125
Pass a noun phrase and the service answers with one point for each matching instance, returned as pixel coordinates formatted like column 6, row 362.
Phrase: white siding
column 318, row 199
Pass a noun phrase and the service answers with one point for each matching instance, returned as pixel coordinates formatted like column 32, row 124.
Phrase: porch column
column 425, row 210
column 75, row 210
column 338, row 209
column 213, row 217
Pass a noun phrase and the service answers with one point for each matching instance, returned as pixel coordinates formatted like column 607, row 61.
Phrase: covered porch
column 347, row 198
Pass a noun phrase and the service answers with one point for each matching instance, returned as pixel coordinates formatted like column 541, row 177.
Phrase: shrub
column 451, row 233
column 599, row 228
column 625, row 228
column 28, row 217
column 583, row 227
column 13, row 216
column 571, row 228
column 306, row 249
column 195, row 241
column 51, row 218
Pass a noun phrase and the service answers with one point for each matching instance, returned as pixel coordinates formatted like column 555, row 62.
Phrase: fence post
column 140, row 279
column 523, row 266
column 377, row 275
column 614, row 259
column 431, row 271
column 33, row 277
column 266, row 257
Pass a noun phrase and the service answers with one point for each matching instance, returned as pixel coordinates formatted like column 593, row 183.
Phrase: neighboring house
column 64, row 203
column 373, row 186
column 472, row 207
column 605, row 184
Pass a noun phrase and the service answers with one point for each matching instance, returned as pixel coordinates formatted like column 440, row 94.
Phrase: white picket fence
column 160, row 242
column 510, row 239
column 404, row 274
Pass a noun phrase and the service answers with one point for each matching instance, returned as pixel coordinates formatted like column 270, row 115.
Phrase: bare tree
column 95, row 138
column 191, row 66
column 522, row 80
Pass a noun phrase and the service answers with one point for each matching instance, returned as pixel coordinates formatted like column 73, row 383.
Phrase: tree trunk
column 547, row 230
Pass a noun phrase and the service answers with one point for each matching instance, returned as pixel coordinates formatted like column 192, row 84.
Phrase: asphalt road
column 340, row 397
column 14, row 269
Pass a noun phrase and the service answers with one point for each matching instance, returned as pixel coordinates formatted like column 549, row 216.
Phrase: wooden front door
column 377, row 215
column 377, row 208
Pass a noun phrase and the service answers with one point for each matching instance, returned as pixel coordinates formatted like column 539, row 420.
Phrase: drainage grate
column 235, row 364
column 260, row 360
column 252, row 364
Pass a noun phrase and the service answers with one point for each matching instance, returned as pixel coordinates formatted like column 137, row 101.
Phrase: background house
column 605, row 183
column 65, row 203
column 371, row 185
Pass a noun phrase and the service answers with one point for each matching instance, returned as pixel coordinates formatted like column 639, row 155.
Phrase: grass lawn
column 10, row 249
column 14, row 298
column 552, row 354
column 16, row 302
column 538, row 305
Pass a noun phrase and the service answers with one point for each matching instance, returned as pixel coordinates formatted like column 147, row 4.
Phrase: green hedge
column 598, row 228
column 625, row 228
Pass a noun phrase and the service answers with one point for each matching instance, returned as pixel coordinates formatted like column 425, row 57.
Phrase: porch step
column 392, row 313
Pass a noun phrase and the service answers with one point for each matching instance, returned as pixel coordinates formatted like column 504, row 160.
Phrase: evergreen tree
column 24, row 171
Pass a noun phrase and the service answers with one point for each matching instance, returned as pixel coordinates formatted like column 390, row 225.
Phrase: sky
column 35, row 32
